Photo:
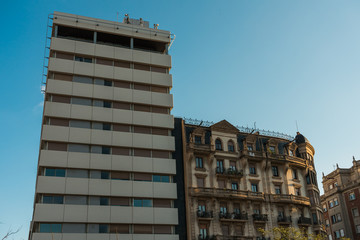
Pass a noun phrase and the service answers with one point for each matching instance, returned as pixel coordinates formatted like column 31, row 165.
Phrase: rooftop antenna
column 117, row 16
column 297, row 128
column 254, row 125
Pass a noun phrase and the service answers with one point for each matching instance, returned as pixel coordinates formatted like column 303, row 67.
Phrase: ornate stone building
column 341, row 202
column 237, row 181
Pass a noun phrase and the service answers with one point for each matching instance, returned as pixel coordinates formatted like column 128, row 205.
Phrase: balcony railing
column 207, row 237
column 260, row 217
column 290, row 198
column 218, row 192
column 229, row 172
column 233, row 216
column 200, row 146
column 284, row 219
column 204, row 214
column 304, row 221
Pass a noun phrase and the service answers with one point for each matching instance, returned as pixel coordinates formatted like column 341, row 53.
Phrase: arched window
column 231, row 146
column 218, row 144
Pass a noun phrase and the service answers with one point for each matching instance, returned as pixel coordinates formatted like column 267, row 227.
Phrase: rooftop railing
column 268, row 133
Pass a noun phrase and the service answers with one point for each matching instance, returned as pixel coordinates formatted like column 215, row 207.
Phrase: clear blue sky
column 269, row 62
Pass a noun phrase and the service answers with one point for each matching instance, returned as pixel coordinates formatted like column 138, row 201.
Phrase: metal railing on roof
column 268, row 133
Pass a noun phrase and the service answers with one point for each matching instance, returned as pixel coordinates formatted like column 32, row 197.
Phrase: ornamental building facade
column 236, row 182
column 341, row 202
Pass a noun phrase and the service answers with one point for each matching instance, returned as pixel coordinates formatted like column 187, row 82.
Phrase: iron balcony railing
column 260, row 217
column 206, row 237
column 204, row 214
column 284, row 219
column 229, row 172
column 226, row 192
column 304, row 220
column 234, row 215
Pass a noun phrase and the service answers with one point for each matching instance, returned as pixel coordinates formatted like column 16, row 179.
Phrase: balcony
column 304, row 221
column 252, row 154
column 260, row 217
column 202, row 237
column 199, row 147
column 205, row 214
column 233, row 216
column 227, row 193
column 285, row 198
column 284, row 220
column 230, row 172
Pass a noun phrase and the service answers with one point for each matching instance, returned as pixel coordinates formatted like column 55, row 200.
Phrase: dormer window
column 291, row 153
column 218, row 144
column 197, row 139
column 231, row 146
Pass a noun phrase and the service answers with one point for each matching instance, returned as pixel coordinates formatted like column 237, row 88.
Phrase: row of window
column 232, row 166
column 104, row 201
column 107, row 82
column 84, row 148
column 108, row 62
column 96, row 174
column 106, row 126
column 103, row 228
column 254, row 187
column 106, row 104
column 108, row 39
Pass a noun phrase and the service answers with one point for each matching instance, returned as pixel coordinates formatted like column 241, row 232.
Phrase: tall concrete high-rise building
column 341, row 202
column 105, row 168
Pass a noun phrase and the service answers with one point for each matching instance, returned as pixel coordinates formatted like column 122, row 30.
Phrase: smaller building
column 341, row 202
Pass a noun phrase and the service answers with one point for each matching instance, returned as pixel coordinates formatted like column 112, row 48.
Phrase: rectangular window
column 142, row 229
column 76, row 200
column 337, row 234
column 146, row 177
column 352, row 196
column 252, row 170
column 297, row 192
column 53, row 199
column 201, row 206
column 331, row 186
column 119, row 201
column 103, row 228
column 54, row 146
column 331, row 204
column 83, row 59
column 120, row 151
column 342, row 233
column 81, row 79
column 81, row 101
column 198, row 139
column 291, row 153
column 161, row 178
column 277, row 189
column 199, row 162
column 333, row 219
column 254, row 187
column 336, row 202
column 233, row 165
column 250, row 150
column 357, row 228
column 51, row 172
column 275, row 171
column 142, row 202
column 50, row 228
column 338, row 217
column 220, row 166
column 120, row 175
column 234, row 186
column 142, row 153
column 119, row 228
column 223, row 207
column 162, row 203
column 162, row 229
column 355, row 212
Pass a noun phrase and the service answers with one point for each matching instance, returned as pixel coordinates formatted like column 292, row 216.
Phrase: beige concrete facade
column 105, row 166
column 237, row 182
column 341, row 202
